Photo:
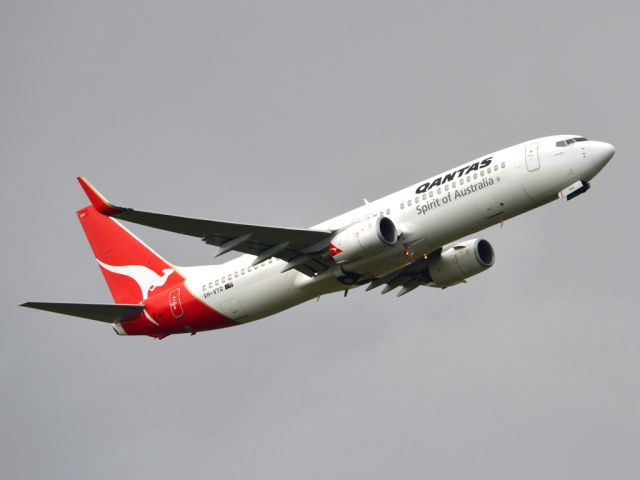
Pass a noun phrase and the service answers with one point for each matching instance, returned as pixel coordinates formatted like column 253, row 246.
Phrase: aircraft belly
column 271, row 294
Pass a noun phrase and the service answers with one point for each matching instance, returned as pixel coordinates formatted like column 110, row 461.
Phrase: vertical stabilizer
column 132, row 270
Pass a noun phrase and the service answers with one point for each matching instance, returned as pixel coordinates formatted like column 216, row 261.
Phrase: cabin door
column 531, row 157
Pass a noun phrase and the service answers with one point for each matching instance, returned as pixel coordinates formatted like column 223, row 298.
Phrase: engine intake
column 456, row 264
column 366, row 237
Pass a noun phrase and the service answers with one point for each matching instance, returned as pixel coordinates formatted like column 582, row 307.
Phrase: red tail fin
column 132, row 270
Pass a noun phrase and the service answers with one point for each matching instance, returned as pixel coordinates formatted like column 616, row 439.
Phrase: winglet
column 99, row 202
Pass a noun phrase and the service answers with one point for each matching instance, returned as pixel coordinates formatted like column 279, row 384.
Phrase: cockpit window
column 569, row 141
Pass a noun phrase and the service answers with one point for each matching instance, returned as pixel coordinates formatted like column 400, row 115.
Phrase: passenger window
column 204, row 287
column 402, row 206
column 242, row 271
column 210, row 284
column 475, row 176
column 217, row 282
column 482, row 173
column 502, row 165
column 446, row 188
column 453, row 185
column 388, row 211
column 468, row 178
column 408, row 203
column 236, row 275
column 462, row 181
column 430, row 194
column 424, row 196
column 229, row 277
column 439, row 191
column 382, row 214
column 417, row 199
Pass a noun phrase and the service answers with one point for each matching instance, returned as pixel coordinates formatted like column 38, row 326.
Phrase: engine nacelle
column 366, row 237
column 460, row 262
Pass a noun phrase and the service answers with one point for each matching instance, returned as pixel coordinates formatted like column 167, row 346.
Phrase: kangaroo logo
column 147, row 279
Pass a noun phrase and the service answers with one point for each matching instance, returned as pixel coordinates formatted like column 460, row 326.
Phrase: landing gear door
column 531, row 157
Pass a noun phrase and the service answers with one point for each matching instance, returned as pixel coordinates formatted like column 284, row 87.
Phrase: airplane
column 407, row 239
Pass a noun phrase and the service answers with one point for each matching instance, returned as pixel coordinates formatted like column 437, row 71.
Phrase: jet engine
column 364, row 238
column 464, row 260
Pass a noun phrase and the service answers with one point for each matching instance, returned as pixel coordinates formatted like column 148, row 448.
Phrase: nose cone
column 601, row 153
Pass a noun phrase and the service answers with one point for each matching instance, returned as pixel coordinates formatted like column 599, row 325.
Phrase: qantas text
column 451, row 176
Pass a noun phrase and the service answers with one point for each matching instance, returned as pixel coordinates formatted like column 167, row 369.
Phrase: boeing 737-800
column 404, row 240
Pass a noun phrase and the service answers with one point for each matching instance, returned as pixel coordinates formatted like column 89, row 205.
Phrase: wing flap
column 101, row 312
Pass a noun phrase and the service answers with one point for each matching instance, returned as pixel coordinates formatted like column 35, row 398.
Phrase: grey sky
column 288, row 113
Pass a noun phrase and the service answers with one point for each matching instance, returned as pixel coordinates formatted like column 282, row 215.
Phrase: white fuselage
column 454, row 204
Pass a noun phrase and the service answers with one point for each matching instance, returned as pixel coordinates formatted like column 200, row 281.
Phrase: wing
column 409, row 277
column 92, row 311
column 302, row 249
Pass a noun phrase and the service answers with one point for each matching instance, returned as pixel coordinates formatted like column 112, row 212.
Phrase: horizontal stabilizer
column 102, row 312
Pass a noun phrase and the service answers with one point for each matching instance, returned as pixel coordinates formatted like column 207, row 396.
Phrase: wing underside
column 303, row 249
column 409, row 278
